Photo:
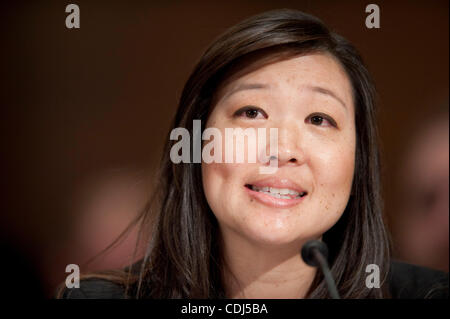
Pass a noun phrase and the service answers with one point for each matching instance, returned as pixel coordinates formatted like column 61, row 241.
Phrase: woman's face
column 309, row 100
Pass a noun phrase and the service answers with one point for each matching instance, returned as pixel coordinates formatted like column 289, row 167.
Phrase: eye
column 320, row 119
column 251, row 112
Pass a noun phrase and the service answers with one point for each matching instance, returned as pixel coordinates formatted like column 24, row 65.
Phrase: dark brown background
column 78, row 104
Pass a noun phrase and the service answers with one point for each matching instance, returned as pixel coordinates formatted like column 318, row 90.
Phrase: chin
column 272, row 237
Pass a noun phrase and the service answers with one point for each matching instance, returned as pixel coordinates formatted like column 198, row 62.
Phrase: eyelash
column 245, row 112
column 247, row 109
column 323, row 117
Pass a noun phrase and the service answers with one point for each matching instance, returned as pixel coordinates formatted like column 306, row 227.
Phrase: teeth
column 278, row 192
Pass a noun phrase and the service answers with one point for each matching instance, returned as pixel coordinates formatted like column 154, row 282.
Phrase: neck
column 257, row 272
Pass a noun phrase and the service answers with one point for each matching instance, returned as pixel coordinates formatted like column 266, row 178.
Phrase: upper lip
column 278, row 182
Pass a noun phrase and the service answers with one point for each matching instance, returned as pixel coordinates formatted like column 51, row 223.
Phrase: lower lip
column 272, row 201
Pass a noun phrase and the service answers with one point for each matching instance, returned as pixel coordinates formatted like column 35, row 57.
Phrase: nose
column 290, row 146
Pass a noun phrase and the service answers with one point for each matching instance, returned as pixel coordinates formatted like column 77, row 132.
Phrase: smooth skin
column 309, row 99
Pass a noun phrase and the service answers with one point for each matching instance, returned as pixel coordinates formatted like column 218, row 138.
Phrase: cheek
column 222, row 181
column 333, row 170
column 219, row 181
column 336, row 170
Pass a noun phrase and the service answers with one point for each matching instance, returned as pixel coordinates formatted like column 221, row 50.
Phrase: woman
column 224, row 230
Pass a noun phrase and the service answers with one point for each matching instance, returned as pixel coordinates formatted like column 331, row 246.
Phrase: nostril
column 293, row 160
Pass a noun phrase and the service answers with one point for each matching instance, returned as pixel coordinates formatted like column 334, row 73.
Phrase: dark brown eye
column 321, row 120
column 251, row 112
column 317, row 120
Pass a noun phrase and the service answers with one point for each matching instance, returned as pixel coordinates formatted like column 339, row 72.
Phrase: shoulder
column 409, row 281
column 95, row 289
column 102, row 288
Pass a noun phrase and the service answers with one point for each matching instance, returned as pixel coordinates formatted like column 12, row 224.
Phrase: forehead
column 315, row 69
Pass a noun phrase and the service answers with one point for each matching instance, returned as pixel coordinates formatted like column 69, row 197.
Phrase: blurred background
column 84, row 114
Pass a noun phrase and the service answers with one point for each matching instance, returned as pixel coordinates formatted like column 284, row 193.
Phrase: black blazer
column 406, row 281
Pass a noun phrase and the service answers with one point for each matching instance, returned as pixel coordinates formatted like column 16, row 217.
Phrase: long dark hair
column 183, row 258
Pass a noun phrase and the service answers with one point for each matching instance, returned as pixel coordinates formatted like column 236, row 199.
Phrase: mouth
column 276, row 193
column 283, row 193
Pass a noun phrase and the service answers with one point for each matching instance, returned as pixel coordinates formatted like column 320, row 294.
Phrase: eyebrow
column 254, row 86
column 328, row 92
column 246, row 86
